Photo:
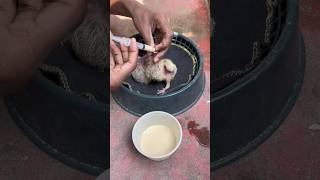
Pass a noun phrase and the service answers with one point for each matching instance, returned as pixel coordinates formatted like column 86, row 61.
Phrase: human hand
column 147, row 22
column 29, row 29
column 122, row 62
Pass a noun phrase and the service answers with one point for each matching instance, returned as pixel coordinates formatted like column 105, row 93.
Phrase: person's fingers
column 127, row 67
column 133, row 56
column 125, row 54
column 165, row 32
column 133, row 50
column 112, row 63
column 7, row 11
column 157, row 56
column 58, row 17
column 146, row 33
column 162, row 48
column 116, row 53
column 28, row 10
column 165, row 41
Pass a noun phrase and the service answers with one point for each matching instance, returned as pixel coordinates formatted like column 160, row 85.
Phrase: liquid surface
column 157, row 140
column 202, row 135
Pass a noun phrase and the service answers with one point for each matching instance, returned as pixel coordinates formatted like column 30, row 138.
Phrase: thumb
column 147, row 37
column 59, row 17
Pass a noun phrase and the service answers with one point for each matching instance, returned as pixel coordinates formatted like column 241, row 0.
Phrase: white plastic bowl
column 156, row 118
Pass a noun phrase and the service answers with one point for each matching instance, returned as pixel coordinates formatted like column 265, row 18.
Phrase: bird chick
column 148, row 71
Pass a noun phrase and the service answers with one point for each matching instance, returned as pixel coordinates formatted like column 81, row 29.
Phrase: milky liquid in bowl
column 157, row 140
column 157, row 135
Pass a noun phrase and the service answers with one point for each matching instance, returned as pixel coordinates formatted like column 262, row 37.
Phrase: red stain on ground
column 202, row 135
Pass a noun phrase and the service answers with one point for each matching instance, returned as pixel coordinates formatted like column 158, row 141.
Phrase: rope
column 257, row 45
column 63, row 81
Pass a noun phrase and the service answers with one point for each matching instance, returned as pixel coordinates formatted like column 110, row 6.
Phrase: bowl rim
column 164, row 155
column 184, row 88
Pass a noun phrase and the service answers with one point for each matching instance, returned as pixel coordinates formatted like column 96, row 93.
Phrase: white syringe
column 127, row 41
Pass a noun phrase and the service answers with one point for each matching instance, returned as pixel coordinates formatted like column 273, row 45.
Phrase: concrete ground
column 293, row 151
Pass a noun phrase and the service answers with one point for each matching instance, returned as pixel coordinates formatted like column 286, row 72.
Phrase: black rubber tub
column 64, row 111
column 186, row 88
column 250, row 107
